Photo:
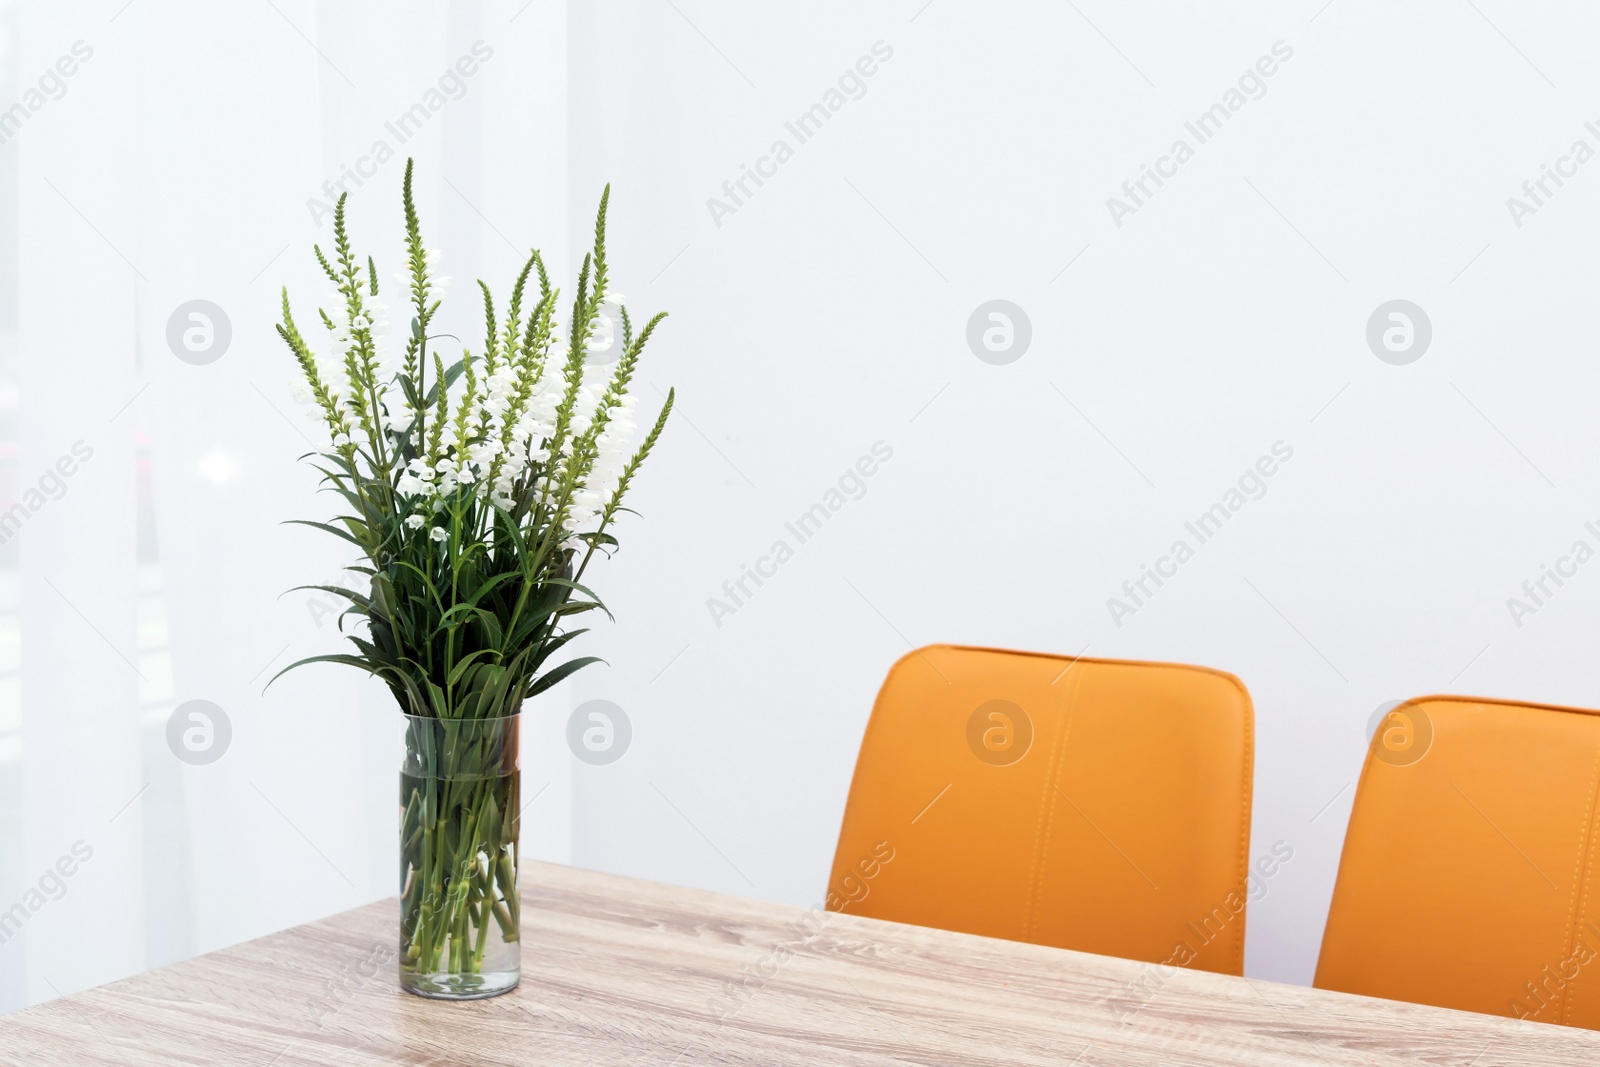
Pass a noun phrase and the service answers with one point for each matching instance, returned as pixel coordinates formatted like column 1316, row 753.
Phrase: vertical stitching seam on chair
column 1588, row 876
column 1047, row 815
column 1246, row 781
column 1580, row 896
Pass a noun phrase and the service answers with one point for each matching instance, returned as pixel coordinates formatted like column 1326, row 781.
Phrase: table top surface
column 620, row 971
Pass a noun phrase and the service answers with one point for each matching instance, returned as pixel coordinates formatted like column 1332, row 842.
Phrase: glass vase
column 460, row 916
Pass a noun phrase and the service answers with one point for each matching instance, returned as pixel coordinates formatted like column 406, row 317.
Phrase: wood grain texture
column 619, row 971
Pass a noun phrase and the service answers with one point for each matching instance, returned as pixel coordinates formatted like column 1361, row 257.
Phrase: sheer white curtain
column 190, row 155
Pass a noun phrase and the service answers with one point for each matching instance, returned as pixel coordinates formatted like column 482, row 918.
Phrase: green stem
column 461, row 865
column 482, row 921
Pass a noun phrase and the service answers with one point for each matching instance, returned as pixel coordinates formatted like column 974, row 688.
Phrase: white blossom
column 499, row 449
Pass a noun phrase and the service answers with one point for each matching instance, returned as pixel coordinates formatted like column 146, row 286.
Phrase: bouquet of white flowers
column 478, row 491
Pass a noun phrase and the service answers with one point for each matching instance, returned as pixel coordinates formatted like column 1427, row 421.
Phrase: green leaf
column 567, row 668
column 324, row 527
column 348, row 594
column 344, row 658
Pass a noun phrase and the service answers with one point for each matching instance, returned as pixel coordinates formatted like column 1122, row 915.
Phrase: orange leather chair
column 1083, row 803
column 1471, row 869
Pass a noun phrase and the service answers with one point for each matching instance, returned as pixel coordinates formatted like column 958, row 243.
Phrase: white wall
column 1222, row 316
column 827, row 313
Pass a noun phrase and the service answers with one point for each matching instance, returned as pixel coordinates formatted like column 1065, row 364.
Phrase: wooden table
column 618, row 971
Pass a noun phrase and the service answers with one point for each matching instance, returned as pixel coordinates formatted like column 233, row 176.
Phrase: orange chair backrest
column 1082, row 803
column 1471, row 869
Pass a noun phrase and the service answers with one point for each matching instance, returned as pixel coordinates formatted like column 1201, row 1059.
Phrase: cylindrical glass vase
column 460, row 919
